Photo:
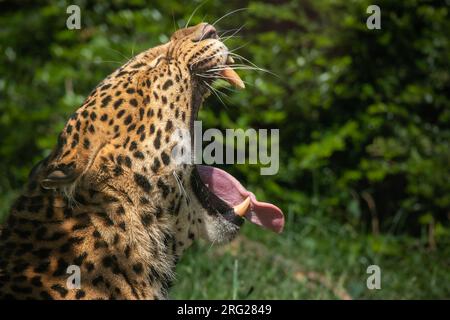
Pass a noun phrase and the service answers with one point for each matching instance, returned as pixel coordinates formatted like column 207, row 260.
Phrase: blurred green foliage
column 363, row 114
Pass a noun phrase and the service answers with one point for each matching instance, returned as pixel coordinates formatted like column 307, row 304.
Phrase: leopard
column 111, row 201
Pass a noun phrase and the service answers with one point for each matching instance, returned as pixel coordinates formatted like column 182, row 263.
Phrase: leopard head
column 116, row 153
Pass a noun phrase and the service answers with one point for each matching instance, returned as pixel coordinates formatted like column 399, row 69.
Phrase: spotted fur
column 109, row 198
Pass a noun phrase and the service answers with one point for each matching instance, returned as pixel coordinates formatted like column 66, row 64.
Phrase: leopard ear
column 70, row 159
column 60, row 171
column 58, row 178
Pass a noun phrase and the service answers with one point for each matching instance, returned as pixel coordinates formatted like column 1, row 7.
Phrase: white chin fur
column 217, row 229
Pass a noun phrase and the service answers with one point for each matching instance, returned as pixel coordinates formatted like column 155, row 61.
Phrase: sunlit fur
column 106, row 199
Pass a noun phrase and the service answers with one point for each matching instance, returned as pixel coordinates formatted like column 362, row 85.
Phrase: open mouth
column 228, row 197
column 225, row 72
column 229, row 75
column 219, row 192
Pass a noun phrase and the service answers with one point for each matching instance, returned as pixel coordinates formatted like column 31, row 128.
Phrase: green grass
column 314, row 258
column 320, row 260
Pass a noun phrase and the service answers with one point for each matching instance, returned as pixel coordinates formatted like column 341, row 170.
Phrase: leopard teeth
column 232, row 77
column 241, row 208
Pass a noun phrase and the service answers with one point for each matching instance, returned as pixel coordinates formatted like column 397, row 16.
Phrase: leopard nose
column 196, row 33
column 208, row 32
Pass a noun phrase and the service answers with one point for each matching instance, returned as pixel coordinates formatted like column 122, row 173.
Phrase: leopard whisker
column 229, row 37
column 193, row 12
column 244, row 67
column 217, row 76
column 232, row 52
column 132, row 49
column 242, row 58
column 224, row 32
column 180, row 186
column 107, row 61
column 214, row 89
column 124, row 56
column 234, row 67
column 218, row 91
column 216, row 94
column 175, row 24
column 234, row 33
column 226, row 88
column 228, row 14
column 212, row 244
column 69, row 192
column 238, row 56
column 208, row 57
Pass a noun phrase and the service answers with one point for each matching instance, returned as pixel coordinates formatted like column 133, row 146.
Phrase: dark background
column 364, row 132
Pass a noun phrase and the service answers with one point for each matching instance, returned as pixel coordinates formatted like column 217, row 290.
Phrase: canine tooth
column 230, row 60
column 241, row 208
column 232, row 77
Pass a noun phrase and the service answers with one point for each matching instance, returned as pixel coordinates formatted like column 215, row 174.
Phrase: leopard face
column 110, row 199
column 139, row 108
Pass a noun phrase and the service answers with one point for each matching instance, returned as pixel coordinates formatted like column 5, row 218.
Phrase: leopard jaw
column 118, row 230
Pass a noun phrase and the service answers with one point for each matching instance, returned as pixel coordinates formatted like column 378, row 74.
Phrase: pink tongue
column 226, row 187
